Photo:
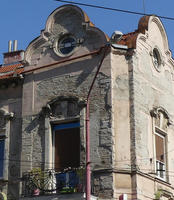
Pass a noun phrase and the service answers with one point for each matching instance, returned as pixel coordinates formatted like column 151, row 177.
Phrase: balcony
column 67, row 184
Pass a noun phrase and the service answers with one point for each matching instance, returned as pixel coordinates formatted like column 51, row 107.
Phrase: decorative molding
column 157, row 21
column 143, row 37
column 160, row 58
column 167, row 194
column 4, row 117
column 50, row 33
column 64, row 107
column 6, row 114
column 155, row 111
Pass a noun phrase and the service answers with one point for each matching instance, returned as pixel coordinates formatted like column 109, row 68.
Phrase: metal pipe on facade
column 65, row 60
column 88, row 167
column 61, row 62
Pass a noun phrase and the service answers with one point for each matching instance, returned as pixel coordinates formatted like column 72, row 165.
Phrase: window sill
column 162, row 180
column 154, row 178
column 2, row 180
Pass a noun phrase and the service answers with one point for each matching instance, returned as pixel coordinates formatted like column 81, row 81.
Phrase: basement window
column 66, row 145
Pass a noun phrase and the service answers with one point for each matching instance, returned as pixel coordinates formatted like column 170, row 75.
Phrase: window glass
column 66, row 145
column 159, row 148
column 160, row 155
column 66, row 45
column 156, row 59
column 161, row 122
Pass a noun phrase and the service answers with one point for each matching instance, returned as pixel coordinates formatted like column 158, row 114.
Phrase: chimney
column 15, row 44
column 13, row 56
column 9, row 46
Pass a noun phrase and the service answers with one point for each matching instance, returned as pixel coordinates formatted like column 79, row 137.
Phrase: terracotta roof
column 8, row 71
column 130, row 39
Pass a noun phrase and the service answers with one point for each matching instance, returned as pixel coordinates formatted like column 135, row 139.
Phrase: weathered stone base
column 60, row 197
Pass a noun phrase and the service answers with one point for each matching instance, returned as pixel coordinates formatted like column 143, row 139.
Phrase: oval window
column 66, row 45
column 156, row 59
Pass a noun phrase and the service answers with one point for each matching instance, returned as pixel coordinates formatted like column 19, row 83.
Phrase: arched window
column 64, row 137
column 161, row 123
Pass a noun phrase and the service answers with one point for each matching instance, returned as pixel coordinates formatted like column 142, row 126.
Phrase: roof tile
column 9, row 70
column 130, row 39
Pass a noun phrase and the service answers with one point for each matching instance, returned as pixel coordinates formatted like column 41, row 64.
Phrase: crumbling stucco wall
column 152, row 88
column 69, row 79
column 72, row 80
column 121, row 122
column 10, row 101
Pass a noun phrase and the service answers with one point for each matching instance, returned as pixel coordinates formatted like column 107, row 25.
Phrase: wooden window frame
column 160, row 165
column 53, row 137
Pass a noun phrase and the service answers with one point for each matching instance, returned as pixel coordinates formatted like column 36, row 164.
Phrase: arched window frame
column 62, row 110
column 161, row 122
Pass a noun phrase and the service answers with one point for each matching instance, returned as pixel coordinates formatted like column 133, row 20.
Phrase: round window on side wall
column 65, row 46
column 156, row 59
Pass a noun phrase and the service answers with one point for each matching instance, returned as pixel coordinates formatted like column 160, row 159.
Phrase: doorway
column 66, row 142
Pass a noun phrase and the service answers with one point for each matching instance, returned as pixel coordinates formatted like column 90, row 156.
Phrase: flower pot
column 36, row 192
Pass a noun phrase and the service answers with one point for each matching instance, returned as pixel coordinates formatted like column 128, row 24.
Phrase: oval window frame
column 157, row 59
column 60, row 40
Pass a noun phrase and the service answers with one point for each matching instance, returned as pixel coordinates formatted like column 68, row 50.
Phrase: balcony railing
column 38, row 182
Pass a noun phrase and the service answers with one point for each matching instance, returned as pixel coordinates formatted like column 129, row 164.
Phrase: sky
column 23, row 20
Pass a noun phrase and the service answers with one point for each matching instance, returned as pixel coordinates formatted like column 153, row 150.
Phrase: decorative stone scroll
column 166, row 194
column 64, row 107
column 4, row 117
column 162, row 119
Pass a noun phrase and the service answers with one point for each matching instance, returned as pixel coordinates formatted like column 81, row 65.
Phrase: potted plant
column 158, row 194
column 80, row 173
column 37, row 178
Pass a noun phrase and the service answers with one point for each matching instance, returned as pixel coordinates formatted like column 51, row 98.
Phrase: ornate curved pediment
column 67, row 27
column 162, row 118
column 64, row 107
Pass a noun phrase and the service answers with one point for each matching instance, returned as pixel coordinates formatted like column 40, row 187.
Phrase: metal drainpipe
column 64, row 60
column 88, row 168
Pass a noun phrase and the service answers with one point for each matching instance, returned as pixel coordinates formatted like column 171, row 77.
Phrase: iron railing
column 38, row 182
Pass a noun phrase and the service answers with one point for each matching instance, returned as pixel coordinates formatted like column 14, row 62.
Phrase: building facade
column 43, row 98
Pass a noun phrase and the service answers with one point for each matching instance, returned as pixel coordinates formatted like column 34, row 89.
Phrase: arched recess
column 64, row 116
column 155, row 112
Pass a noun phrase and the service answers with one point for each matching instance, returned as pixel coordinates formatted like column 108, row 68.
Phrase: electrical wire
column 144, row 7
column 25, row 163
column 114, row 9
column 147, row 158
column 116, row 161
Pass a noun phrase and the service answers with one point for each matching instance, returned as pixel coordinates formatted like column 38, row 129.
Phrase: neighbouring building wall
column 121, row 122
column 153, row 92
column 10, row 133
